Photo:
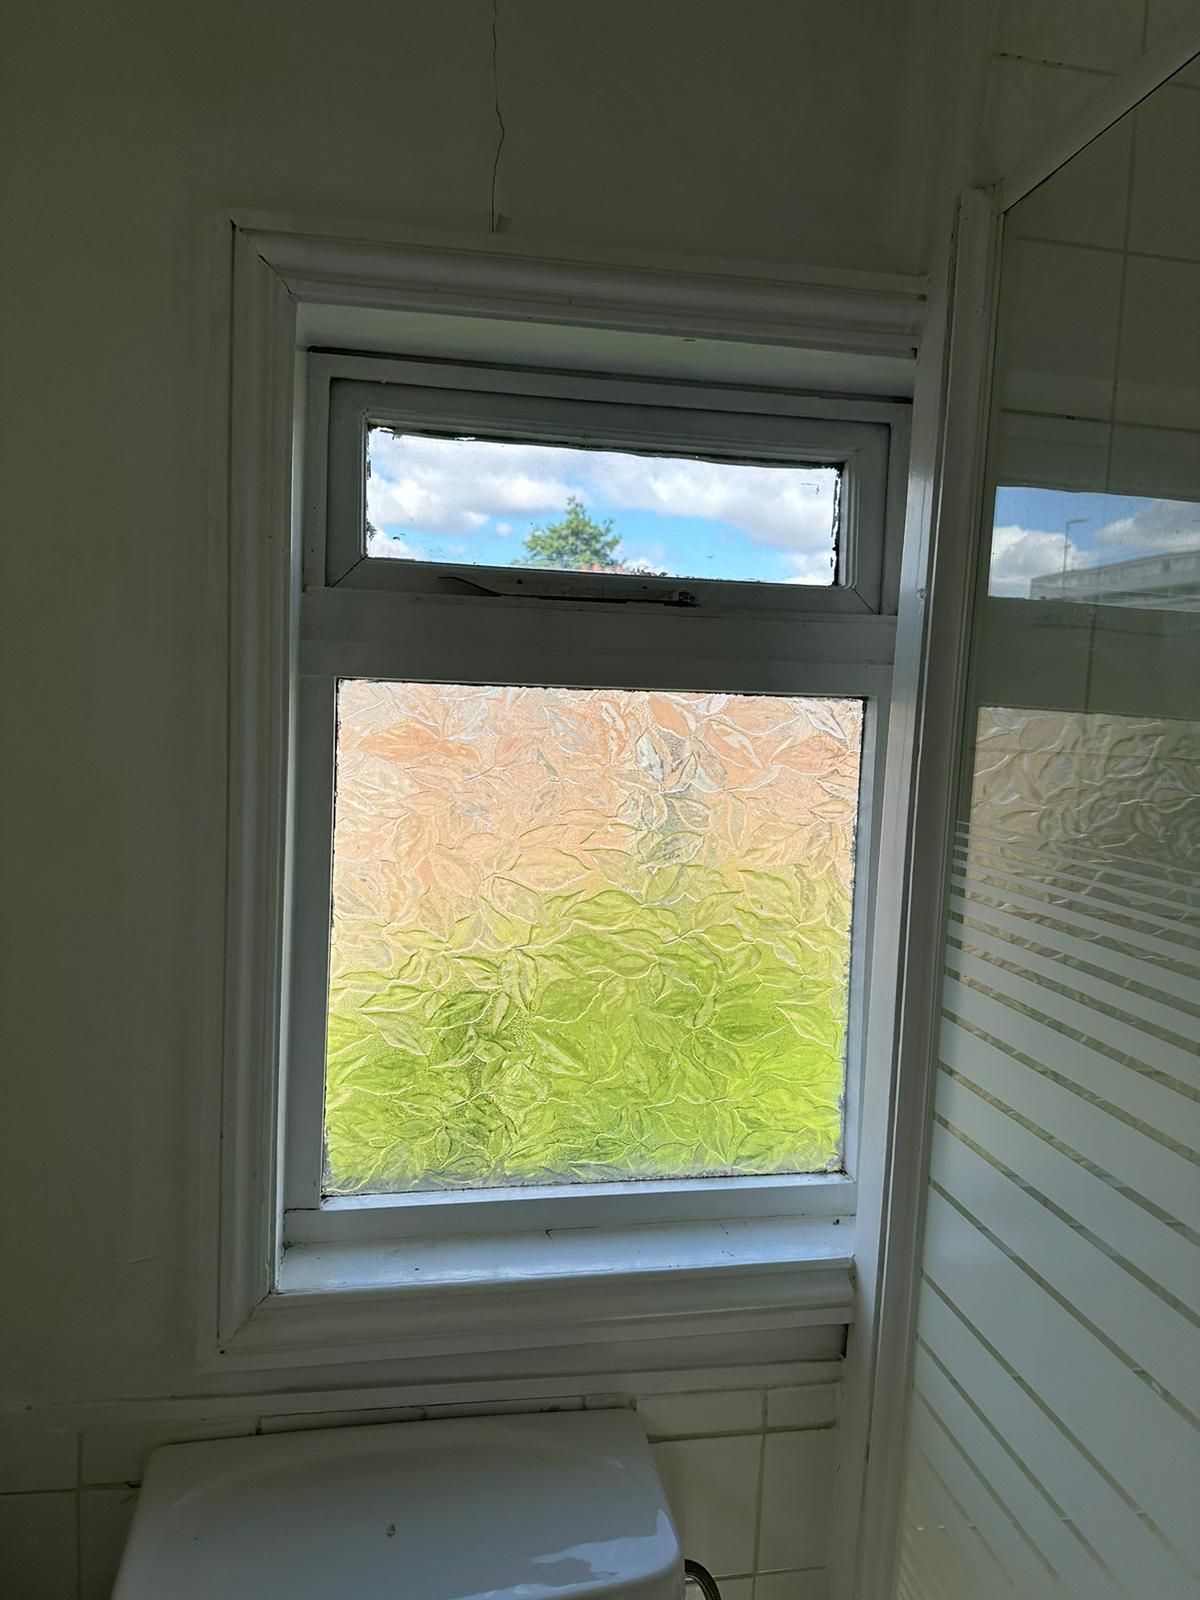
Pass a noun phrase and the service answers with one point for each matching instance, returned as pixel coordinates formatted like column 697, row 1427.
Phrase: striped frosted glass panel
column 1055, row 1430
column 1054, row 1449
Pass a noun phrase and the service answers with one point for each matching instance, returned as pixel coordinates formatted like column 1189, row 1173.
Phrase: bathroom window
column 590, row 687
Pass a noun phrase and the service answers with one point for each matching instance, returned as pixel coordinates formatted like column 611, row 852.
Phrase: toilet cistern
column 558, row 1506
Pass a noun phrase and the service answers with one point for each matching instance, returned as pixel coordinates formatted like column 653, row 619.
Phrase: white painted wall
column 796, row 133
column 790, row 132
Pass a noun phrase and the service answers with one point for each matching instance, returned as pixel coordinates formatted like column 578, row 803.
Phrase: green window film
column 581, row 935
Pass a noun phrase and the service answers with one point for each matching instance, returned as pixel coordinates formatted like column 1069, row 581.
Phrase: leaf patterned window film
column 581, row 935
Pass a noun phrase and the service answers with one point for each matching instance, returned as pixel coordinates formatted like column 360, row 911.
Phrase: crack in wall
column 502, row 130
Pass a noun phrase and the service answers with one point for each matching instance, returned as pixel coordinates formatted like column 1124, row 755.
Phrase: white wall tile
column 811, row 1585
column 797, row 1500
column 37, row 1458
column 1084, row 202
column 1161, row 17
column 1058, row 328
column 1026, row 102
column 38, row 1547
column 1105, row 34
column 677, row 1416
column 813, row 1405
column 299, row 1421
column 710, row 1455
column 116, row 1453
column 1161, row 462
column 1159, row 372
column 1146, row 659
column 1165, row 218
column 1043, row 451
column 104, row 1518
column 504, row 1408
column 712, row 1489
column 731, row 1589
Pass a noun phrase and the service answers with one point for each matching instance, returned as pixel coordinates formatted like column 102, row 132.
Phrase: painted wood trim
column 266, row 1329
column 260, row 606
column 477, row 275
column 353, row 1326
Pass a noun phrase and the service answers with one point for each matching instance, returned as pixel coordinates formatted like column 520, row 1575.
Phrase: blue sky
column 1031, row 536
column 469, row 500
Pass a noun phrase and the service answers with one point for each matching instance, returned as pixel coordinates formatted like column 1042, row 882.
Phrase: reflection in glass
column 489, row 503
column 1096, row 549
column 587, row 934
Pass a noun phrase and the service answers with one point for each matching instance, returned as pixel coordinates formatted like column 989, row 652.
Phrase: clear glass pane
column 1096, row 549
column 485, row 503
column 587, row 934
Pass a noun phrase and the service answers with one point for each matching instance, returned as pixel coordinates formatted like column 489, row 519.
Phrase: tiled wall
column 749, row 1474
column 1102, row 267
column 1050, row 57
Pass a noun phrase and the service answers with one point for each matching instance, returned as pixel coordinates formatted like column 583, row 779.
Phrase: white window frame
column 386, row 619
column 721, row 1254
column 345, row 393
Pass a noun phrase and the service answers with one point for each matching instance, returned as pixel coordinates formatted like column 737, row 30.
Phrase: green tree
column 574, row 543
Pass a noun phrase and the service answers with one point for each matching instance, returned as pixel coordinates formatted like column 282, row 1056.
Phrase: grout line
column 1061, row 66
column 1099, row 422
column 1105, row 249
column 1092, row 72
column 86, row 1412
column 758, row 1492
column 792, row 1572
column 1126, row 234
column 29, row 1494
column 741, row 1433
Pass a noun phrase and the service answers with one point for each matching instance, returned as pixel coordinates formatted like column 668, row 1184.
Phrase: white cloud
column 788, row 507
column 1157, row 526
column 504, row 529
column 387, row 544
column 1019, row 554
column 816, row 568
column 646, row 564
column 453, row 486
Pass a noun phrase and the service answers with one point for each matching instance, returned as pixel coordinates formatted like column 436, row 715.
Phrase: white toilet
column 549, row 1507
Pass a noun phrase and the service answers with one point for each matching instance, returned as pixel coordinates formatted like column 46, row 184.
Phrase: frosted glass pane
column 587, row 934
column 485, row 502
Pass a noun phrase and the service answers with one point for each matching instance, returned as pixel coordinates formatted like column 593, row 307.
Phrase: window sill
column 374, row 1300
